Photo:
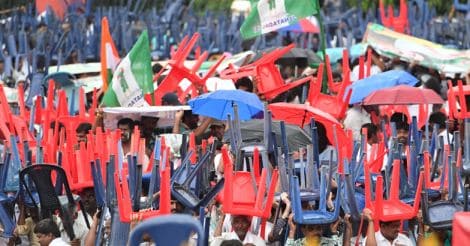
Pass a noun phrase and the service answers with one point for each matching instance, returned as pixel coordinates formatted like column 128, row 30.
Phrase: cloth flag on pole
column 109, row 54
column 309, row 24
column 271, row 15
column 132, row 78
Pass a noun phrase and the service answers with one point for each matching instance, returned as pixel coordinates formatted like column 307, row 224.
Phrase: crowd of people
column 370, row 126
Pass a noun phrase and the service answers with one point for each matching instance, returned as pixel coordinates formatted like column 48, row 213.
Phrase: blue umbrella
column 364, row 87
column 219, row 104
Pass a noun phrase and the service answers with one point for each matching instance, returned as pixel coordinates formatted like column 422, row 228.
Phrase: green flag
column 270, row 15
column 132, row 78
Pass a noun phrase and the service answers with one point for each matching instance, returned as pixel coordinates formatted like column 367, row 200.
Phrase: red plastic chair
column 335, row 105
column 393, row 208
column 456, row 95
column 124, row 198
column 460, row 228
column 179, row 71
column 243, row 195
column 336, row 87
column 270, row 82
column 399, row 23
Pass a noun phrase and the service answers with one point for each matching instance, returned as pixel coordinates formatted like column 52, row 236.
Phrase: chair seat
column 442, row 213
column 317, row 217
column 396, row 210
column 188, row 197
column 6, row 198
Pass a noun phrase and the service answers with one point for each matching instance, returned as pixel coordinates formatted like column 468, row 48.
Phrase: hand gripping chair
column 439, row 215
column 49, row 200
column 171, row 230
column 393, row 208
column 124, row 198
column 243, row 195
column 270, row 82
column 182, row 191
column 322, row 215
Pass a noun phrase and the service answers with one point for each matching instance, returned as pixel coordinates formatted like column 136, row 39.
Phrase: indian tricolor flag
column 271, row 15
column 132, row 78
column 109, row 55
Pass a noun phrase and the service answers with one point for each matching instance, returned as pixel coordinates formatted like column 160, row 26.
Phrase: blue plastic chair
column 182, row 190
column 464, row 7
column 322, row 215
column 7, row 217
column 171, row 230
column 439, row 215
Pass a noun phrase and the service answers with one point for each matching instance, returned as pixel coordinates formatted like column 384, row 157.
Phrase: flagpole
column 324, row 87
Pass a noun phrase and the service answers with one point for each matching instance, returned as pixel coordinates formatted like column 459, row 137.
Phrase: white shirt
column 400, row 240
column 249, row 238
column 355, row 118
column 58, row 242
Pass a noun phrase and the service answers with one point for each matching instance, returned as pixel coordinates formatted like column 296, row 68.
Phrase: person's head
column 402, row 126
column 390, row 229
column 82, row 130
column 87, row 195
column 191, row 120
column 46, row 230
column 323, row 141
column 156, row 68
column 241, row 224
column 434, row 84
column 438, row 118
column 217, row 129
column 126, row 126
column 232, row 242
column 244, row 84
column 2, row 65
column 372, row 133
column 148, row 124
column 311, row 230
column 176, row 207
column 170, row 99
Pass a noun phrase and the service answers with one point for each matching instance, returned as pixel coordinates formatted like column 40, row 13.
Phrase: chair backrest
column 173, row 229
column 124, row 198
column 256, row 199
column 41, row 175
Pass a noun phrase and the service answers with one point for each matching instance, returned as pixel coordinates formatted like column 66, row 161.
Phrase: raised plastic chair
column 439, row 215
column 182, row 191
column 178, row 72
column 270, row 82
column 464, row 7
column 124, row 198
column 7, row 217
column 50, row 200
column 457, row 94
column 335, row 105
column 175, row 229
column 393, row 208
column 256, row 200
column 400, row 23
column 322, row 215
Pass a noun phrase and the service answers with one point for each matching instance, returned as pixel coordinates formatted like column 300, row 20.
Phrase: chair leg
column 84, row 214
column 7, row 222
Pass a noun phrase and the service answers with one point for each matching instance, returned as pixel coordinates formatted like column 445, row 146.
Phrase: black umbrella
column 252, row 131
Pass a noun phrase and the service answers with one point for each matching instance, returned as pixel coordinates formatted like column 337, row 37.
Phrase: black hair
column 371, row 129
column 398, row 117
column 246, row 82
column 126, row 121
column 83, row 127
column 232, row 242
column 323, row 141
column 47, row 226
column 434, row 84
column 438, row 118
column 156, row 68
